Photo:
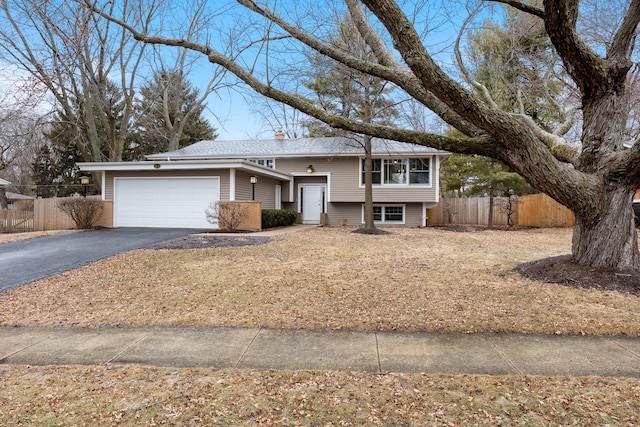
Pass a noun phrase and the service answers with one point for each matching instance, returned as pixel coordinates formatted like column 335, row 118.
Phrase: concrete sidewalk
column 378, row 352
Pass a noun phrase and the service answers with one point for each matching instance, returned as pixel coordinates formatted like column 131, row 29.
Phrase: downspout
column 232, row 185
column 104, row 185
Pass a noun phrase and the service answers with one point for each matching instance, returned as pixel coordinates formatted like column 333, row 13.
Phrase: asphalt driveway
column 28, row 260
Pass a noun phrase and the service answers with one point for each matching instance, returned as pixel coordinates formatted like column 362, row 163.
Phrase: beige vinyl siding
column 298, row 165
column 343, row 176
column 243, row 186
column 286, row 192
column 265, row 189
column 351, row 214
column 110, row 175
column 344, row 214
column 414, row 215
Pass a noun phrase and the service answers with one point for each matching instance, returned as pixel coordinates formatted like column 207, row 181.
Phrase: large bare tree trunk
column 607, row 238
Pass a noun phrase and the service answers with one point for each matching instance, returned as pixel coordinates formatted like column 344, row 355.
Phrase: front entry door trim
column 312, row 202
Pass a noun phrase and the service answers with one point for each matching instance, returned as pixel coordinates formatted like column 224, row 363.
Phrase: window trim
column 420, row 171
column 265, row 160
column 383, row 207
column 407, row 163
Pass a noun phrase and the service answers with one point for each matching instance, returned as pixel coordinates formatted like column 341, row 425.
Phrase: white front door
column 312, row 196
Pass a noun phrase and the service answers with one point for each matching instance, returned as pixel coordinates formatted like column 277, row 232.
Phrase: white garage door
column 176, row 202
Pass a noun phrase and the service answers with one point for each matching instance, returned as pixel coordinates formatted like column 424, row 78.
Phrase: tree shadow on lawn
column 561, row 270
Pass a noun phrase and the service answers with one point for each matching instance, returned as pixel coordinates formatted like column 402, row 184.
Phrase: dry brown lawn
column 331, row 278
column 139, row 396
column 14, row 237
column 413, row 279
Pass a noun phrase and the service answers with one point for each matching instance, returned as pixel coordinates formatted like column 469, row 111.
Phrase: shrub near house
column 277, row 218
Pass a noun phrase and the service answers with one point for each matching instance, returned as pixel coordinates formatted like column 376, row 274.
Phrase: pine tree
column 168, row 116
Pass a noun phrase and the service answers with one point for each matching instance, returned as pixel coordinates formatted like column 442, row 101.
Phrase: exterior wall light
column 310, row 169
column 253, row 179
column 84, row 180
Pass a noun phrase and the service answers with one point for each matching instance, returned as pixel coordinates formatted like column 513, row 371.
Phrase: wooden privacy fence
column 537, row 210
column 540, row 210
column 16, row 221
column 468, row 211
column 47, row 216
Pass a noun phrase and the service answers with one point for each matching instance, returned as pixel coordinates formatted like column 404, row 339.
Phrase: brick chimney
column 279, row 134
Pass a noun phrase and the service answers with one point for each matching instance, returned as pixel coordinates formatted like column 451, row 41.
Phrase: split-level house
column 320, row 178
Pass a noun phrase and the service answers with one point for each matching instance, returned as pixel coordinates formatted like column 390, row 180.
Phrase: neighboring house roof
column 16, row 196
column 301, row 147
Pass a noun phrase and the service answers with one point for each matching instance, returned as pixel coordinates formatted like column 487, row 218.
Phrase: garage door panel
column 177, row 202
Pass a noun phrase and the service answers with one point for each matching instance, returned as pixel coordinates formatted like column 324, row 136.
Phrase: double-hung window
column 419, row 171
column 384, row 214
column 376, row 171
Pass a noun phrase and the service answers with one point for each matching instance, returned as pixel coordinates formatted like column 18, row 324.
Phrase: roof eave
column 203, row 157
column 183, row 165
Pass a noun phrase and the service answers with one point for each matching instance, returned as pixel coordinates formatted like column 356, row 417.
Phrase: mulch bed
column 562, row 271
column 199, row 241
column 373, row 232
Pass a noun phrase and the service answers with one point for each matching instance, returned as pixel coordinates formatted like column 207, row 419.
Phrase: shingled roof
column 307, row 147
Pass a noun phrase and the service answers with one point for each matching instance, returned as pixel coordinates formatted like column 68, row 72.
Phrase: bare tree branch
column 520, row 5
column 382, row 53
column 621, row 47
column 465, row 72
column 586, row 68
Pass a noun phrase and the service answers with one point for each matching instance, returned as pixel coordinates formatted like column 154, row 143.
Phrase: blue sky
column 238, row 121
column 230, row 112
column 233, row 118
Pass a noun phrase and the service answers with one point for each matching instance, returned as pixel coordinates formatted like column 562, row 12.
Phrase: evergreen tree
column 43, row 172
column 54, row 170
column 516, row 65
column 168, row 116
column 513, row 63
column 90, row 131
